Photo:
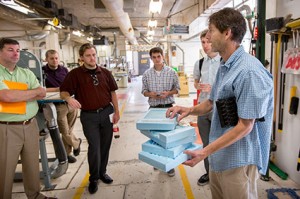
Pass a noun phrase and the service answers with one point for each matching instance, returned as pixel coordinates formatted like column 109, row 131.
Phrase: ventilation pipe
column 115, row 8
column 66, row 39
column 32, row 36
column 248, row 16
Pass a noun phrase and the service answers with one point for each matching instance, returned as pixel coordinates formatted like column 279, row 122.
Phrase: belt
column 162, row 106
column 95, row 111
column 25, row 122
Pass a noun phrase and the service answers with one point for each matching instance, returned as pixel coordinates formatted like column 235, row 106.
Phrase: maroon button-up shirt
column 79, row 82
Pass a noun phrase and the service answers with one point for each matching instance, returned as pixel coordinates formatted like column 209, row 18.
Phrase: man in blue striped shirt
column 235, row 152
column 204, row 76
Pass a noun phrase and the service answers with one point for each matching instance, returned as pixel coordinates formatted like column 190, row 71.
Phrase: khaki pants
column 23, row 141
column 66, row 118
column 238, row 183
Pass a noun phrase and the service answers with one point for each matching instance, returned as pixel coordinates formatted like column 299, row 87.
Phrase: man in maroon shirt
column 92, row 89
column 66, row 116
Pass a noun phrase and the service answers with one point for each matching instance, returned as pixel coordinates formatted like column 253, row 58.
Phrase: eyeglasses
column 95, row 79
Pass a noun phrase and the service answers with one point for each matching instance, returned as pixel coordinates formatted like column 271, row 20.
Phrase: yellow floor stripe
column 80, row 190
column 186, row 183
column 82, row 186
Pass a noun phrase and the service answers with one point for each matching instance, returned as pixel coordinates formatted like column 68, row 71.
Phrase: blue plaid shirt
column 245, row 78
column 167, row 80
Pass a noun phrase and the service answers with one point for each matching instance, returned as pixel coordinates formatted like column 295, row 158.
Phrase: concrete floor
column 134, row 179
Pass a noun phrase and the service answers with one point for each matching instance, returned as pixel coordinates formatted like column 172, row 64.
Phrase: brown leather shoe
column 46, row 197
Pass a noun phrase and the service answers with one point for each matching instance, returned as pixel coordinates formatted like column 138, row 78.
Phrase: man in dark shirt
column 93, row 88
column 66, row 116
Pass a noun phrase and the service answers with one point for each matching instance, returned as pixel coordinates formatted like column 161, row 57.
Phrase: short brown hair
column 50, row 52
column 203, row 33
column 156, row 50
column 84, row 47
column 4, row 41
column 229, row 18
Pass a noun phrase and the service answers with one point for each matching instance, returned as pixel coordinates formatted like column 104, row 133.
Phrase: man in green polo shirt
column 19, row 132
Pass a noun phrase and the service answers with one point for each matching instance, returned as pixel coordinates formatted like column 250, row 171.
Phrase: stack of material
column 167, row 141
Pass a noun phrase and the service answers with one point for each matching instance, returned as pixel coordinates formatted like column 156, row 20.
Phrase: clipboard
column 14, row 107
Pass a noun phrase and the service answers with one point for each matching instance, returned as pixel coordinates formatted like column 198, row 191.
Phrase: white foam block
column 152, row 147
column 155, row 119
column 164, row 163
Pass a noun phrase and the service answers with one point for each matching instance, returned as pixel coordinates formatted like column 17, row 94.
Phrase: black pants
column 204, row 123
column 97, row 129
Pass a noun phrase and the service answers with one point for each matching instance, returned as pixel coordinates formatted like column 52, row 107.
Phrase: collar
column 5, row 69
column 163, row 68
column 237, row 53
column 98, row 69
column 48, row 68
column 215, row 58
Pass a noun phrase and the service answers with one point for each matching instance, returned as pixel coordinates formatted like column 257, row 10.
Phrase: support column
column 52, row 41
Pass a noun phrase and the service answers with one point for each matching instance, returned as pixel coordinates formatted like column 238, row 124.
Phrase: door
column 143, row 61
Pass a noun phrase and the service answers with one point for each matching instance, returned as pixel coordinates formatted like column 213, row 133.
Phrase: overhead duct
column 66, row 39
column 32, row 36
column 115, row 8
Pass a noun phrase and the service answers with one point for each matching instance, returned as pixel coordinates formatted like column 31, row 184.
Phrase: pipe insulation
column 115, row 8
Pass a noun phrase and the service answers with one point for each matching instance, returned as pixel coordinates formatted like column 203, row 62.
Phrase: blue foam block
column 164, row 163
column 177, row 134
column 152, row 147
column 155, row 119
column 154, row 135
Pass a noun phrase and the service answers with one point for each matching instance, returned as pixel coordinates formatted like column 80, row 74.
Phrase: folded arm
column 9, row 95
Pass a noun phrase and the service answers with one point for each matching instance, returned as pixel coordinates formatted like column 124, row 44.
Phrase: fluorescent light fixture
column 77, row 33
column 155, row 6
column 13, row 5
column 152, row 23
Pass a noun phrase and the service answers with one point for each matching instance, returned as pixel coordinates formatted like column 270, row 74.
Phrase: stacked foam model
column 167, row 141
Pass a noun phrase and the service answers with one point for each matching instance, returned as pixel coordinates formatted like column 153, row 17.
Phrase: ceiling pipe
column 115, row 8
column 32, row 37
column 248, row 16
column 66, row 39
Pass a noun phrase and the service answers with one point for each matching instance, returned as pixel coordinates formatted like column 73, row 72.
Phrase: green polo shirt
column 21, row 75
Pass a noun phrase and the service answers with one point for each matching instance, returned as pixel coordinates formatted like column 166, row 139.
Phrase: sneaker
column 171, row 173
column 71, row 159
column 76, row 152
column 203, row 180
